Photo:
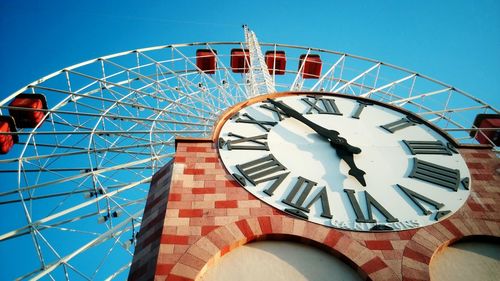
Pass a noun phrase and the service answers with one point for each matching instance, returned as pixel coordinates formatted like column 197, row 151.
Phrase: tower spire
column 259, row 80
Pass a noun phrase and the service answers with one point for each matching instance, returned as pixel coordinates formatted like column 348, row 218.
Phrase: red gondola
column 312, row 66
column 276, row 61
column 489, row 121
column 7, row 124
column 29, row 117
column 206, row 60
column 240, row 60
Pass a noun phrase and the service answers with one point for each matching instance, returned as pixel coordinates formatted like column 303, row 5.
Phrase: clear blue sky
column 454, row 41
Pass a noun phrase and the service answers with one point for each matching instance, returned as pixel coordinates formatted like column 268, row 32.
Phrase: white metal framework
column 73, row 188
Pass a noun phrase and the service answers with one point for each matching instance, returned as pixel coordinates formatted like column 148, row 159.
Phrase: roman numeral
column 256, row 142
column 276, row 110
column 427, row 147
column 359, row 109
column 329, row 106
column 417, row 198
column 439, row 175
column 400, row 124
column 234, row 116
column 260, row 123
column 369, row 201
column 261, row 170
column 298, row 195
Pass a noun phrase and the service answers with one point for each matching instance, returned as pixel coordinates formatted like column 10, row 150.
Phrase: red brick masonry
column 209, row 214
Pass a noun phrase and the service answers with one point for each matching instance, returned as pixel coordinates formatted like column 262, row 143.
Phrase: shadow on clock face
column 307, row 153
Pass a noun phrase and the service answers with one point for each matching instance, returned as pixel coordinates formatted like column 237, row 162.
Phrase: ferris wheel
column 79, row 146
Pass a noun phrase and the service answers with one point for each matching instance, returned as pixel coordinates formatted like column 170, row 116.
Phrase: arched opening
column 279, row 260
column 475, row 258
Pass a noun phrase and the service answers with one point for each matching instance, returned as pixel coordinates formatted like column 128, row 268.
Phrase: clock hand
column 331, row 135
column 354, row 171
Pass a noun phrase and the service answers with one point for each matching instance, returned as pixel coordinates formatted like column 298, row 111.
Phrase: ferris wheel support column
column 258, row 75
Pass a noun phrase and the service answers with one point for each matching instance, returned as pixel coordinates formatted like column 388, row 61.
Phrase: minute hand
column 331, row 135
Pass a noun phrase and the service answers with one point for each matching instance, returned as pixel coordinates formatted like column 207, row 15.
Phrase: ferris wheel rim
column 159, row 47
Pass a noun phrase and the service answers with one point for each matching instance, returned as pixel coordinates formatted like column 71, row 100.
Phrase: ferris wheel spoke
column 99, row 150
column 180, row 78
column 41, row 227
column 458, row 109
column 207, row 77
column 83, row 175
column 104, row 132
column 228, row 78
column 339, row 89
column 329, row 72
column 62, row 213
column 391, row 84
column 125, row 104
column 295, row 85
column 161, row 84
column 107, row 254
column 94, row 242
column 402, row 101
column 76, row 271
column 118, row 272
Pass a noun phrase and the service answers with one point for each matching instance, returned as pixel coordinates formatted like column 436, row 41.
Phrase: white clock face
column 406, row 176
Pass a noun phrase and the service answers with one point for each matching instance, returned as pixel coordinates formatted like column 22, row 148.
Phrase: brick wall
column 148, row 242
column 209, row 214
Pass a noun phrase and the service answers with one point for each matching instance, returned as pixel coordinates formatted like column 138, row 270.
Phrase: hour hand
column 331, row 135
column 354, row 170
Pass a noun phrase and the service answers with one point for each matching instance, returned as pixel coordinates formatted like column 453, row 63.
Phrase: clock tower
column 371, row 183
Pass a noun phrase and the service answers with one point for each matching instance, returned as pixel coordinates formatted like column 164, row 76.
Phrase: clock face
column 344, row 162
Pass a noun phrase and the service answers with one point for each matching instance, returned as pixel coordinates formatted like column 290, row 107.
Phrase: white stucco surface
column 279, row 261
column 467, row 261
